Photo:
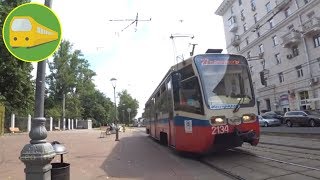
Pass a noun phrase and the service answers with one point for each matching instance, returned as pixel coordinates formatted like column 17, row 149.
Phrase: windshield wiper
column 236, row 109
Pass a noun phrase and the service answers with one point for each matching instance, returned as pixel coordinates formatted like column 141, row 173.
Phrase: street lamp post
column 113, row 82
column 39, row 153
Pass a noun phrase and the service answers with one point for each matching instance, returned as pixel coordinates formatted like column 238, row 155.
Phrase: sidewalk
column 135, row 156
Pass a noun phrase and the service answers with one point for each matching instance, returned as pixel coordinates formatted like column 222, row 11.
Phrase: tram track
column 291, row 146
column 199, row 159
column 232, row 169
column 260, row 166
column 221, row 170
column 275, row 160
column 291, row 153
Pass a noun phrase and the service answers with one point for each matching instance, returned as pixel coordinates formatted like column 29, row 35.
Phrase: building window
column 275, row 40
column 244, row 27
column 291, row 27
column 231, row 10
column 240, row 2
column 253, row 3
column 318, row 61
column 278, row 59
column 263, row 63
column 281, row 77
column 268, row 104
column 299, row 71
column 255, row 17
column 247, row 40
column 251, row 69
column 261, row 50
column 316, row 40
column 268, row 7
column 271, row 23
column 295, row 51
column 238, row 48
column 310, row 15
column 242, row 15
column 304, row 104
column 248, row 54
column 231, row 21
column 287, row 12
column 258, row 34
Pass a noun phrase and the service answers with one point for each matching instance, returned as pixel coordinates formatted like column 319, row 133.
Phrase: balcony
column 311, row 27
column 236, row 40
column 291, row 39
column 282, row 4
column 233, row 27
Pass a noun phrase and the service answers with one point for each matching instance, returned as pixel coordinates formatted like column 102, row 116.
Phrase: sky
column 137, row 57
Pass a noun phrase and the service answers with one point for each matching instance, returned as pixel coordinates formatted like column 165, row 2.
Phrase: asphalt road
column 290, row 130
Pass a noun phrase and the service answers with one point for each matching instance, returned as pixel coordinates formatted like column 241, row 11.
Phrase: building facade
column 281, row 40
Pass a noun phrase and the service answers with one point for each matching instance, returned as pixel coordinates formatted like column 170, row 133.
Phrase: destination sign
column 223, row 106
column 206, row 61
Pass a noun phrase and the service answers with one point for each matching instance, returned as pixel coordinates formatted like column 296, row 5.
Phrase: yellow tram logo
column 32, row 32
column 26, row 32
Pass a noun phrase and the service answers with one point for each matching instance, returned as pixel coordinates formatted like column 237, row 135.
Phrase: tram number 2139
column 220, row 129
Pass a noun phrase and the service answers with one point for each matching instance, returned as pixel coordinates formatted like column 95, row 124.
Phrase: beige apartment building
column 281, row 40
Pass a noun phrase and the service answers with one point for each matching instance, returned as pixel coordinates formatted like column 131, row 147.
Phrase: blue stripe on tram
column 179, row 121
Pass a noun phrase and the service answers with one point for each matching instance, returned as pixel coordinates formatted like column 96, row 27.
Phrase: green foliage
column 97, row 106
column 70, row 75
column 16, row 86
column 126, row 101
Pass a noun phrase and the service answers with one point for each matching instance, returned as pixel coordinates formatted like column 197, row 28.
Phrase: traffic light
column 262, row 79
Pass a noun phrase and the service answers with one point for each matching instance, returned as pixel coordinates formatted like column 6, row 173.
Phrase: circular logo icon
column 32, row 32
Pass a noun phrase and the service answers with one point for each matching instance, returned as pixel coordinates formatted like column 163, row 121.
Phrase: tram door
column 172, row 131
column 155, row 125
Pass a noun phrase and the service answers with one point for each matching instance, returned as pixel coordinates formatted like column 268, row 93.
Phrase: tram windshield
column 21, row 24
column 226, row 81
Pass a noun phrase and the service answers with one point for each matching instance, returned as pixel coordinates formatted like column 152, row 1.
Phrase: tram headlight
column 248, row 118
column 218, row 120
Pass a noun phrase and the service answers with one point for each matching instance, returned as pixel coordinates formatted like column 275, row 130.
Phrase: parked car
column 268, row 121
column 276, row 115
column 303, row 117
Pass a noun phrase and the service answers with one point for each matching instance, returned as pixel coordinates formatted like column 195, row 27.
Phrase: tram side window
column 148, row 110
column 190, row 96
column 169, row 96
column 163, row 100
column 157, row 103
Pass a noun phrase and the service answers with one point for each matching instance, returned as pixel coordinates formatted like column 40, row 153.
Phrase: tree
column 70, row 76
column 16, row 85
column 126, row 101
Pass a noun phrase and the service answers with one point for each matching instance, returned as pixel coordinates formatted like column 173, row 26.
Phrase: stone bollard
column 29, row 122
column 50, row 123
column 12, row 120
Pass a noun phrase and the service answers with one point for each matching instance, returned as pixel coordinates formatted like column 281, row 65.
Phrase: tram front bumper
column 249, row 136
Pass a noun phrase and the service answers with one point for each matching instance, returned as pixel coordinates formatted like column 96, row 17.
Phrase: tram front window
column 225, row 85
column 21, row 24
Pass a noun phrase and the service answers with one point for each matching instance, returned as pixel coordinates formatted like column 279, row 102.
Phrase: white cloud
column 140, row 59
